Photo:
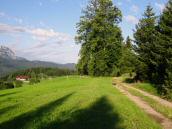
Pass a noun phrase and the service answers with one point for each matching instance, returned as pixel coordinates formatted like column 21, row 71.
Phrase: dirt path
column 156, row 98
column 165, row 122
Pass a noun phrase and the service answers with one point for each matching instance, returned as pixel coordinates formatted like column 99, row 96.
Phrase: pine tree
column 83, row 36
column 164, row 51
column 145, row 43
column 100, row 38
column 129, row 58
column 128, row 43
column 34, row 78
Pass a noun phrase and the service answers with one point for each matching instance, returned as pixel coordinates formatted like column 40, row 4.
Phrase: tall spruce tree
column 83, row 36
column 164, row 51
column 100, row 39
column 128, row 43
column 129, row 59
column 145, row 42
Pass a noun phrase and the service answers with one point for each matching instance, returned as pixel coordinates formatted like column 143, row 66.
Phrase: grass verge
column 150, row 88
column 166, row 111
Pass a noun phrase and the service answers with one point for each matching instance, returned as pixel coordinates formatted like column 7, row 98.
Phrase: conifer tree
column 84, row 28
column 164, row 51
column 145, row 42
column 100, row 39
column 129, row 58
column 128, row 42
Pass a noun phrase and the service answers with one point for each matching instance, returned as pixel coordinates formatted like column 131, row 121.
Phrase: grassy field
column 71, row 103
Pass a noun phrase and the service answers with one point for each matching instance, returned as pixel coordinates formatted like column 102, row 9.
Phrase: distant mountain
column 6, row 53
column 9, row 62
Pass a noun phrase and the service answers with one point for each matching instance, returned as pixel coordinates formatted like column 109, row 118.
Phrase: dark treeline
column 103, row 52
column 153, row 39
column 52, row 72
column 35, row 75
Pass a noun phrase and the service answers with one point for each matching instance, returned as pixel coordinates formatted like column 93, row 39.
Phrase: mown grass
column 150, row 88
column 165, row 110
column 71, row 103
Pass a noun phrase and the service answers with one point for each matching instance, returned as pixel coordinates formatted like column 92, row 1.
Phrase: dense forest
column 104, row 53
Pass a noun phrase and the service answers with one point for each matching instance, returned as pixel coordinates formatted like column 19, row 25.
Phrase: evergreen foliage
column 18, row 83
column 164, row 51
column 33, row 78
column 145, row 36
column 6, row 85
column 154, row 49
column 128, row 61
column 128, row 43
column 100, row 38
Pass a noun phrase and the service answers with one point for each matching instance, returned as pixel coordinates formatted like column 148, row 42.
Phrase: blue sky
column 45, row 29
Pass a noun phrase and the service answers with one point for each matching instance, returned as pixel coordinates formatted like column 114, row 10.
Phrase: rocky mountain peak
column 7, row 53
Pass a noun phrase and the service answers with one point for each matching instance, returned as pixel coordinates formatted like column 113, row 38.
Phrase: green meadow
column 72, row 102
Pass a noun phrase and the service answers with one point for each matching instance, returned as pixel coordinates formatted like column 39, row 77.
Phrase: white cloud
column 135, row 8
column 47, row 34
column 37, row 33
column 160, row 6
column 43, row 33
column 131, row 19
column 45, row 44
column 5, row 28
column 60, row 53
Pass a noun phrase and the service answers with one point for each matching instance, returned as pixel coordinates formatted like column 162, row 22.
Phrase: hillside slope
column 9, row 62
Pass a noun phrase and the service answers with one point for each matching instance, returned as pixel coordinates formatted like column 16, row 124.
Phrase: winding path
column 165, row 122
column 156, row 98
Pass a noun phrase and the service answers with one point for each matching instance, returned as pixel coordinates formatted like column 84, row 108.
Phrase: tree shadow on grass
column 7, row 109
column 101, row 115
column 21, row 121
column 7, row 94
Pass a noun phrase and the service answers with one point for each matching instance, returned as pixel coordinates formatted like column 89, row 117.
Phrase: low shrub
column 34, row 81
column 18, row 83
column 8, row 85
